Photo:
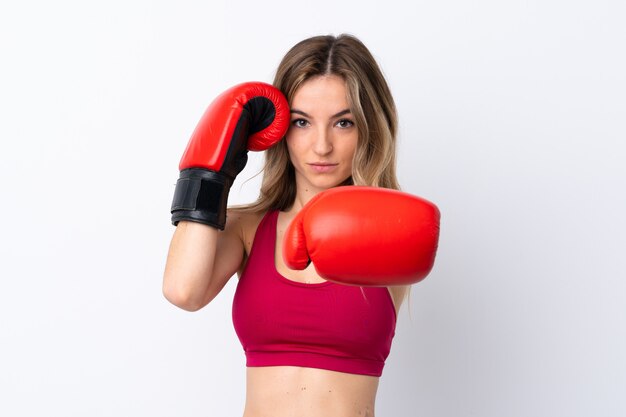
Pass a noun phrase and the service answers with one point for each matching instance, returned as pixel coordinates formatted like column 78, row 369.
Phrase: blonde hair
column 371, row 104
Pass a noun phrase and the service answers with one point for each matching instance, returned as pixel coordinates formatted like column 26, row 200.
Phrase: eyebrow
column 341, row 113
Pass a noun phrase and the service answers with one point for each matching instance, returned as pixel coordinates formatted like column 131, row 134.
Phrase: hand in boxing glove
column 249, row 116
column 364, row 236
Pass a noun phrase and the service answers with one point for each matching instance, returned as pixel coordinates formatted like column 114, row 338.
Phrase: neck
column 302, row 197
column 304, row 193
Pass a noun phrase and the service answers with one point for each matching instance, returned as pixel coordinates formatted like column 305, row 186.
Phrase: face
column 322, row 137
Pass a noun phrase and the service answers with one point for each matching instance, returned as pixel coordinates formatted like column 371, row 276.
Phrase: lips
column 322, row 166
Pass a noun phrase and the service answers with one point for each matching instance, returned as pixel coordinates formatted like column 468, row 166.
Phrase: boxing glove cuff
column 201, row 196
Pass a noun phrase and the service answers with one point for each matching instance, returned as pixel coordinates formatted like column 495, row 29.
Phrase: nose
column 323, row 144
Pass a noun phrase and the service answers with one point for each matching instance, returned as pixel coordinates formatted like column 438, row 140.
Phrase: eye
column 299, row 123
column 345, row 123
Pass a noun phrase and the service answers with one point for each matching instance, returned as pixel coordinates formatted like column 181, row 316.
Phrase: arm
column 207, row 246
column 191, row 281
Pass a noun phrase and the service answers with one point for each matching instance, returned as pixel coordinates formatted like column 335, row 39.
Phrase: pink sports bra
column 322, row 325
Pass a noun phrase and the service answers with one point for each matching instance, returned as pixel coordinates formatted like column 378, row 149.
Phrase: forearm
column 189, row 265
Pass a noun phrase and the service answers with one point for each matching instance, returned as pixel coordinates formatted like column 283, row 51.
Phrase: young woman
column 314, row 346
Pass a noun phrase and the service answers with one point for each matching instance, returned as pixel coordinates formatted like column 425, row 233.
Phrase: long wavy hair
column 370, row 102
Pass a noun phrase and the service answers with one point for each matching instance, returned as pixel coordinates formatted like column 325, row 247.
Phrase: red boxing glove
column 364, row 236
column 250, row 116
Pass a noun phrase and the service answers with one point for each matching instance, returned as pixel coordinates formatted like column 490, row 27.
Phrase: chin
column 326, row 183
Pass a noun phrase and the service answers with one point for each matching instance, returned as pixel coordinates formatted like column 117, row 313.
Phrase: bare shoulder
column 398, row 294
column 245, row 223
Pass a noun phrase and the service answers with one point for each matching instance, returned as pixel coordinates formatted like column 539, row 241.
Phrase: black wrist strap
column 201, row 195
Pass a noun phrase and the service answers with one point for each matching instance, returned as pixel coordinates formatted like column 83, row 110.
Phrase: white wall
column 512, row 120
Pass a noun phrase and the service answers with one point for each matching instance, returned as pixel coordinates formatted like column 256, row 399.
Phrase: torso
column 306, row 392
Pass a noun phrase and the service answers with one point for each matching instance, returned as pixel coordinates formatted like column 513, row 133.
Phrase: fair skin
column 321, row 141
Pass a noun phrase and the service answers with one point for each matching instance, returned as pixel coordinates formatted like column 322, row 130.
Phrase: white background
column 512, row 120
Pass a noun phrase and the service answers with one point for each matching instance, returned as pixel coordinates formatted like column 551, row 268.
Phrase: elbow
column 183, row 298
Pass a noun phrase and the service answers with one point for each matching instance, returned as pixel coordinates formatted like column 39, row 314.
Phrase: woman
column 313, row 347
